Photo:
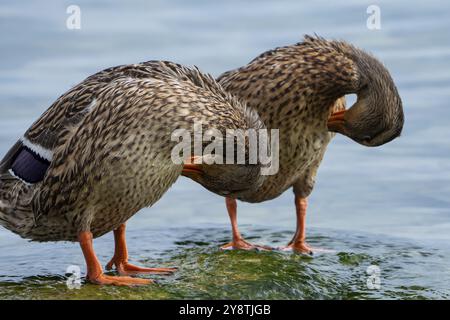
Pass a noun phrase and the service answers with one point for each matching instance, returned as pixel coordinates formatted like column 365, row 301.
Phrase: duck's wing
column 36, row 147
column 68, row 111
column 66, row 135
column 92, row 127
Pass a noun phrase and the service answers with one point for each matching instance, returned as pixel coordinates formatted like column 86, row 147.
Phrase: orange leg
column 298, row 243
column 238, row 241
column 94, row 269
column 120, row 258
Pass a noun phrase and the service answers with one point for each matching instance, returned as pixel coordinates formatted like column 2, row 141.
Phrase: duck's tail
column 16, row 212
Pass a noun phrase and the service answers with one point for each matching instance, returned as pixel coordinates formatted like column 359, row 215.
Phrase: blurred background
column 397, row 191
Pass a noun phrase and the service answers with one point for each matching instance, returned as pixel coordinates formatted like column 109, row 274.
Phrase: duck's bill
column 191, row 169
column 336, row 121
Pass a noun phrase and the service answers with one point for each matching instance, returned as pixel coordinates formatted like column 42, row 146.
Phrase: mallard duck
column 102, row 152
column 299, row 89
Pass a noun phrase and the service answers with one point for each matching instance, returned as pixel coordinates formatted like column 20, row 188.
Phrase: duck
column 300, row 90
column 104, row 150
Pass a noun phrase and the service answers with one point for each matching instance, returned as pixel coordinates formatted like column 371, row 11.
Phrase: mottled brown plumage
column 295, row 89
column 109, row 139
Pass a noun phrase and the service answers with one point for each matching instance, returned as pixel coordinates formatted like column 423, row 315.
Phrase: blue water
column 392, row 196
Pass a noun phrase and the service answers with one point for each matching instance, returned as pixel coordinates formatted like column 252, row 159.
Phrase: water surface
column 386, row 206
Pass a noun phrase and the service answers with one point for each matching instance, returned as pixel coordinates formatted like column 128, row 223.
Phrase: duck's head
column 229, row 180
column 237, row 170
column 377, row 116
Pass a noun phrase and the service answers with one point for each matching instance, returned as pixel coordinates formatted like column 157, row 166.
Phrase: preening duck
column 299, row 89
column 102, row 152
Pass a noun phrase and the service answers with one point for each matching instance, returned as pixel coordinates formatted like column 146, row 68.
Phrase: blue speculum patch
column 29, row 166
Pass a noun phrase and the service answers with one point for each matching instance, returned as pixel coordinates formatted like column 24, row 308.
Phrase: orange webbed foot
column 302, row 248
column 103, row 279
column 241, row 244
column 120, row 258
column 124, row 268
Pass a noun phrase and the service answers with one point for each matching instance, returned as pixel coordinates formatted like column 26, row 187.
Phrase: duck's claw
column 241, row 244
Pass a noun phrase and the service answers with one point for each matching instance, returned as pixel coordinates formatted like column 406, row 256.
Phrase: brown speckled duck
column 299, row 89
column 102, row 152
